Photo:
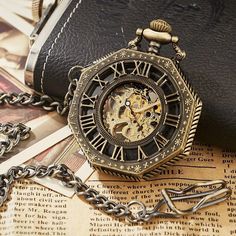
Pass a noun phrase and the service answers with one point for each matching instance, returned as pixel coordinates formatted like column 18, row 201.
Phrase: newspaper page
column 36, row 210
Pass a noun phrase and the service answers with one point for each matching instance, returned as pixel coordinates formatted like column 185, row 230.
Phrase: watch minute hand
column 147, row 107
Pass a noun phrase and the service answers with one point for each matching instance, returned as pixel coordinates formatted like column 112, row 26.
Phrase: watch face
column 131, row 112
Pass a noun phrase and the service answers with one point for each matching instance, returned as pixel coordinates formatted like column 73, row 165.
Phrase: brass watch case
column 177, row 149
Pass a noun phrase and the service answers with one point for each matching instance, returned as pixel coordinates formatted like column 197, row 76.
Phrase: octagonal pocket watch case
column 133, row 112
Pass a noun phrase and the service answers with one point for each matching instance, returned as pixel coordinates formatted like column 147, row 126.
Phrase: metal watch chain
column 18, row 132
column 165, row 207
column 14, row 133
column 214, row 195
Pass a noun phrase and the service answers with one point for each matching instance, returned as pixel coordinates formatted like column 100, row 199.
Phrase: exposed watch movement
column 133, row 112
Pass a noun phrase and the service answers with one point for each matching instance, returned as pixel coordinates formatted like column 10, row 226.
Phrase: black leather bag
column 79, row 32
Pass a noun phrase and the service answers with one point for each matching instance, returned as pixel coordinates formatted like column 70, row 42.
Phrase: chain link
column 12, row 134
column 179, row 53
column 216, row 193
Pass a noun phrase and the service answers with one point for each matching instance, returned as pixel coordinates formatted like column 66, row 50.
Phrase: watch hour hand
column 114, row 124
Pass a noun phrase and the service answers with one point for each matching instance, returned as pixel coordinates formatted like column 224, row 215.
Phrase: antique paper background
column 36, row 210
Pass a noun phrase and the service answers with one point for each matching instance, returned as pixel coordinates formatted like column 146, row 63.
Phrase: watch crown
column 160, row 26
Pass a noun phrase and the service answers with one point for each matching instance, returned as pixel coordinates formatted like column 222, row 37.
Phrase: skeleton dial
column 130, row 111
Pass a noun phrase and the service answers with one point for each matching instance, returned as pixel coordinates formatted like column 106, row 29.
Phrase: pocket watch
column 133, row 112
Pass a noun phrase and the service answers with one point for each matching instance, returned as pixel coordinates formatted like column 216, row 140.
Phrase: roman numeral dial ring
column 130, row 110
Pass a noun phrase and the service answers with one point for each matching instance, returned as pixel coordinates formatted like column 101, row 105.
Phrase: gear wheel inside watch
column 131, row 112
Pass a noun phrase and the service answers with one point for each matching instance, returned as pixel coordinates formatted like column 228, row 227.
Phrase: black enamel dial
column 130, row 110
